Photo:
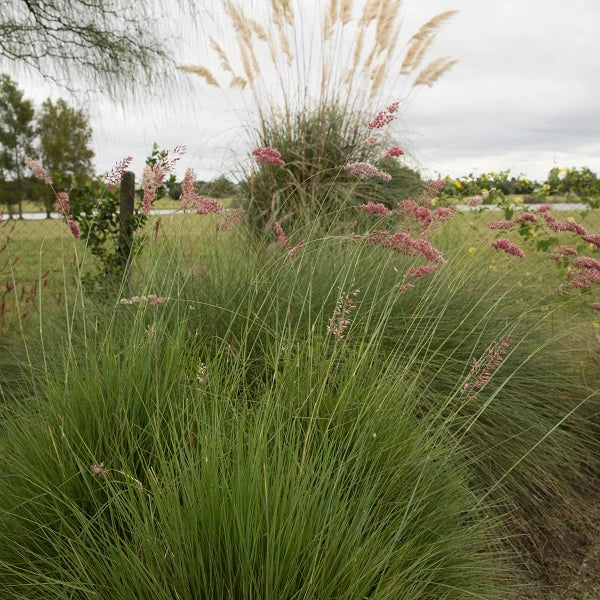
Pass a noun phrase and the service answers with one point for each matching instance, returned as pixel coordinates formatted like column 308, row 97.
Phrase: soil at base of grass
column 567, row 567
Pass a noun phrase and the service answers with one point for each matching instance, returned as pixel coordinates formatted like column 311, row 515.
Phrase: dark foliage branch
column 104, row 43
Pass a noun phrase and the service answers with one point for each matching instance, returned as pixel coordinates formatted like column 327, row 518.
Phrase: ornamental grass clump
column 170, row 466
column 329, row 69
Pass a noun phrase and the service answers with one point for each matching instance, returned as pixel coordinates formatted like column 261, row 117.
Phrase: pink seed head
column 508, row 247
column 367, row 170
column 265, row 155
column 376, row 209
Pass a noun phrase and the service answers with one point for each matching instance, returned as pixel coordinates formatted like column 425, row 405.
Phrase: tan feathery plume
column 254, row 60
column 239, row 20
column 385, row 23
column 360, row 40
column 282, row 10
column 422, row 40
column 238, row 82
column 370, row 12
column 246, row 64
column 276, row 13
column 285, row 46
column 288, row 11
column 377, row 77
column 258, row 30
column 272, row 48
column 326, row 26
column 346, row 11
column 201, row 72
column 369, row 60
column 434, row 70
column 415, row 53
column 431, row 27
column 225, row 64
column 333, row 11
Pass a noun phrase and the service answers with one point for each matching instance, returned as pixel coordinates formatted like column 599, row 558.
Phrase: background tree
column 17, row 136
column 65, row 138
column 106, row 43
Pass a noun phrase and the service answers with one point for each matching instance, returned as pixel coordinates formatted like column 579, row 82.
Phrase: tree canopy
column 17, row 129
column 105, row 43
column 65, row 138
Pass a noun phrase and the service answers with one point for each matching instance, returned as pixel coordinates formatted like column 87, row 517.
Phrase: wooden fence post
column 125, row 213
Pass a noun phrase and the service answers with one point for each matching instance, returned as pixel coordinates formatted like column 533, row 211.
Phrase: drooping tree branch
column 103, row 43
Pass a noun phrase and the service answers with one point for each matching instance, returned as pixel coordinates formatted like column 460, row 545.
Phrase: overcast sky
column 524, row 96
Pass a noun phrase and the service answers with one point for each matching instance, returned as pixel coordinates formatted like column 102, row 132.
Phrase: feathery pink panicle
column 376, row 209
column 482, row 369
column 280, row 234
column 152, row 179
column 151, row 299
column 369, row 141
column 502, row 224
column 154, row 300
column 552, row 222
column 434, row 187
column 527, row 217
column 265, row 155
column 507, row 246
column 340, row 321
column 205, row 206
column 384, row 117
column 62, row 203
column 394, row 152
column 596, row 306
column 231, row 218
column 403, row 243
column 170, row 158
column 586, row 262
column 565, row 225
column 593, row 238
column 566, row 251
column 443, row 214
column 572, row 226
column 38, row 171
column 188, row 193
column 583, row 278
column 426, row 248
column 99, row 470
column 368, row 170
column 475, row 200
column 293, row 251
column 201, row 205
column 416, row 272
column 113, row 177
column 543, row 208
column 426, row 217
column 404, row 287
column 75, row 231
